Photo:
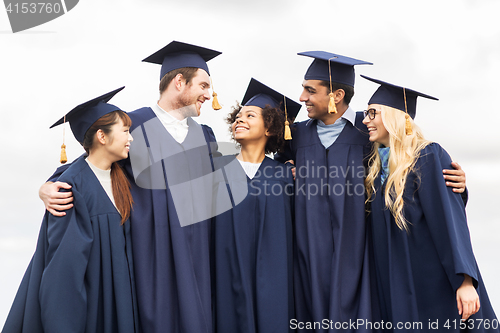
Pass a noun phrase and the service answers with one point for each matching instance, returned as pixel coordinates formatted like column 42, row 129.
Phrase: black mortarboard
column 329, row 66
column 258, row 94
column 178, row 55
column 400, row 98
column 84, row 115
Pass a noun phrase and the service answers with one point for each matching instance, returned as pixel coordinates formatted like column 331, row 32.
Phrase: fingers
column 468, row 308
column 60, row 198
column 459, row 305
column 456, row 166
column 62, row 185
column 55, row 212
column 290, row 161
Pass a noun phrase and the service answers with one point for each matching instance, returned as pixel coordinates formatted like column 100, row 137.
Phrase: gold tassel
column 64, row 158
column 408, row 127
column 331, row 106
column 215, row 102
column 288, row 132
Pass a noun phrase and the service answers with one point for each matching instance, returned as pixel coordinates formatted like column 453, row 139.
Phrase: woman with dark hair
column 426, row 278
column 80, row 278
column 253, row 240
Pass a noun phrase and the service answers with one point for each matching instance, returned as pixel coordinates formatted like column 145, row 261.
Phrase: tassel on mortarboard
column 331, row 105
column 288, row 132
column 215, row 101
column 408, row 126
column 64, row 158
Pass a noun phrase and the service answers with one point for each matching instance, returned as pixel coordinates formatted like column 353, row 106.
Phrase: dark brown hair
column 187, row 74
column 349, row 91
column 274, row 122
column 119, row 182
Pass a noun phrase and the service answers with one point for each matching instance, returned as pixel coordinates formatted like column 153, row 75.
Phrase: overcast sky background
column 448, row 48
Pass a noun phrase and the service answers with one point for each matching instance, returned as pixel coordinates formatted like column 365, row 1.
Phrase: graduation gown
column 253, row 254
column 331, row 275
column 172, row 261
column 417, row 273
column 81, row 277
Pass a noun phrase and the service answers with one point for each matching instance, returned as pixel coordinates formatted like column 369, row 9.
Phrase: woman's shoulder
column 434, row 154
column 74, row 172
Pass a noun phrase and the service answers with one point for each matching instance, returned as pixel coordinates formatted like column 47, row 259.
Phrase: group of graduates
column 351, row 226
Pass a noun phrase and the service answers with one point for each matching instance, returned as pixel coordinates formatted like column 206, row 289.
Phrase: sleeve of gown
column 59, row 171
column 444, row 212
column 63, row 298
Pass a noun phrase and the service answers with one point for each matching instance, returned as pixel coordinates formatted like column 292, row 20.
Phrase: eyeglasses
column 371, row 113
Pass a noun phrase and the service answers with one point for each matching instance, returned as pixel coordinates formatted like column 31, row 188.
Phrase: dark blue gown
column 331, row 273
column 172, row 261
column 253, row 254
column 416, row 274
column 81, row 277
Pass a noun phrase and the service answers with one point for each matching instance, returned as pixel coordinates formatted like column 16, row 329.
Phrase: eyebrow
column 308, row 87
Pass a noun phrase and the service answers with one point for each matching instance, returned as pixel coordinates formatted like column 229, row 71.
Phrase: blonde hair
column 404, row 152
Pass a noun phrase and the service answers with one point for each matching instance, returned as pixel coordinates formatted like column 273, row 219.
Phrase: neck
column 100, row 160
column 166, row 105
column 252, row 152
column 330, row 118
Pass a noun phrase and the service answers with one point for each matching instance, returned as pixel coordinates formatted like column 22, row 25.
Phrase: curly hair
column 274, row 122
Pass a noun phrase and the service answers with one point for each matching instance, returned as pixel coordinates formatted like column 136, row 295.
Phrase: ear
column 179, row 81
column 338, row 95
column 268, row 133
column 101, row 137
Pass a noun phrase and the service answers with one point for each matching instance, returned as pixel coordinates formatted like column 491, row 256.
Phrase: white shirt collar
column 167, row 118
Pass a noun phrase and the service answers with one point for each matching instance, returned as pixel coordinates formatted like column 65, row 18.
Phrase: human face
column 316, row 98
column 249, row 125
column 376, row 129
column 118, row 141
column 195, row 94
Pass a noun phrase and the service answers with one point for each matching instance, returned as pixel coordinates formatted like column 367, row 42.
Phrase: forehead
column 250, row 108
column 202, row 75
column 314, row 84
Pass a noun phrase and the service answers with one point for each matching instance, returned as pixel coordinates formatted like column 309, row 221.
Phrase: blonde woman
column 425, row 275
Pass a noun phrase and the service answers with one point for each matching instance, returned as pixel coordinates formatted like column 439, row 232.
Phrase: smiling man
column 331, row 273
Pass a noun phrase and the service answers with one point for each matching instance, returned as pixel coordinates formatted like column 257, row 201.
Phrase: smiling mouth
column 240, row 128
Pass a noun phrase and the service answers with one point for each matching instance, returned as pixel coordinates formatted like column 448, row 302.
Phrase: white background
column 448, row 48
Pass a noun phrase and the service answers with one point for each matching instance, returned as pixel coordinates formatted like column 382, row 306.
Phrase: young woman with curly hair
column 423, row 264
column 253, row 241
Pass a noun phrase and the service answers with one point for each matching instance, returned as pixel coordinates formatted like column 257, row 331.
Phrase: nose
column 130, row 137
column 366, row 120
column 206, row 94
column 303, row 97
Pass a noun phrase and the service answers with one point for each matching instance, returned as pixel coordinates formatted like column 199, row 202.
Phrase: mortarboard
column 258, row 94
column 177, row 55
column 400, row 98
column 332, row 67
column 329, row 66
column 84, row 115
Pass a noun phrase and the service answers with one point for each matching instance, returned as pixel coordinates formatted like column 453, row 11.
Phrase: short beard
column 186, row 106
